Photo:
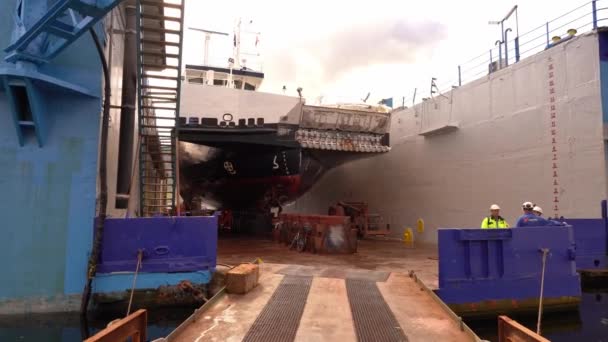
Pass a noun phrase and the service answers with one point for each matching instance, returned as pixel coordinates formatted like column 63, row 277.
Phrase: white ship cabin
column 243, row 78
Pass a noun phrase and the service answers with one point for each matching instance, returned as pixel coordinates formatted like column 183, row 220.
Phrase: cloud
column 394, row 42
column 314, row 63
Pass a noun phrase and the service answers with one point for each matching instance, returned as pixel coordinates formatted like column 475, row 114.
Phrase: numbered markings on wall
column 553, row 130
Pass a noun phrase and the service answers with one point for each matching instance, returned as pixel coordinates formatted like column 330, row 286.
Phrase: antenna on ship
column 237, row 45
column 208, row 34
column 241, row 62
column 229, row 84
column 235, row 59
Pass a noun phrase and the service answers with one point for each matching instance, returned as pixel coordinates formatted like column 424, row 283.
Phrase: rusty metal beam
column 133, row 326
column 511, row 331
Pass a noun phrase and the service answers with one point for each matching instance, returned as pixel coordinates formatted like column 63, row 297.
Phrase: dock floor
column 377, row 254
column 339, row 302
column 327, row 314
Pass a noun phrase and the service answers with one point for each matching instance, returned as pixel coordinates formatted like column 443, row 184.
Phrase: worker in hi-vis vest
column 494, row 220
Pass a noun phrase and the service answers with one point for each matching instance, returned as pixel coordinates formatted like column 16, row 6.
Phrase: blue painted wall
column 169, row 244
column 48, row 194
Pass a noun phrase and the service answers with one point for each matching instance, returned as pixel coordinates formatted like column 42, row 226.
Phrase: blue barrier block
column 480, row 265
column 591, row 237
column 170, row 244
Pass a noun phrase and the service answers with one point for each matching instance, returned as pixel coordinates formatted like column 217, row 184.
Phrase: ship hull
column 251, row 176
column 245, row 176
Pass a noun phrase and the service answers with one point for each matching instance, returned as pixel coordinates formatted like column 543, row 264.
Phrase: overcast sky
column 342, row 50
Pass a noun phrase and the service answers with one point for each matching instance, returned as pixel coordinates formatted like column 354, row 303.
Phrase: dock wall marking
column 553, row 129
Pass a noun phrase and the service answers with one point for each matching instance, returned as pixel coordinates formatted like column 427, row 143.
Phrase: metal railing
column 583, row 18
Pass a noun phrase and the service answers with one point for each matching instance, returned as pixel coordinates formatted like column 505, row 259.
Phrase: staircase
column 49, row 30
column 160, row 28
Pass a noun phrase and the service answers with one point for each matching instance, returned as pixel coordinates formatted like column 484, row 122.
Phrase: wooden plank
column 133, row 326
column 511, row 331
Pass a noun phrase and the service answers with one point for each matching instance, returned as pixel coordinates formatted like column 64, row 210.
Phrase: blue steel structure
column 591, row 241
column 174, row 249
column 40, row 32
column 50, row 188
column 169, row 244
column 487, row 271
column 44, row 31
column 50, row 77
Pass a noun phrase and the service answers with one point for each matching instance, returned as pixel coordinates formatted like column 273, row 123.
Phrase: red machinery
column 225, row 220
column 366, row 224
column 316, row 233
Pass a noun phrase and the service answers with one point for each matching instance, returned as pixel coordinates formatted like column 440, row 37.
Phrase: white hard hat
column 539, row 209
column 494, row 207
column 528, row 205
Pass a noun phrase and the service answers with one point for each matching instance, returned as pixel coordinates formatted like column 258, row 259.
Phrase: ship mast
column 237, row 40
column 208, row 34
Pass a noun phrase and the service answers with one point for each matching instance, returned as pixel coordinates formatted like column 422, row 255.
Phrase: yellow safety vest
column 490, row 223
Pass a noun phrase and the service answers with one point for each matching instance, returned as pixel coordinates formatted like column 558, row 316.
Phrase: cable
column 103, row 181
column 542, row 285
column 140, row 255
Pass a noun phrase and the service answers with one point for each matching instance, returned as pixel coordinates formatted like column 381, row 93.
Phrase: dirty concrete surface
column 372, row 254
column 327, row 315
column 230, row 318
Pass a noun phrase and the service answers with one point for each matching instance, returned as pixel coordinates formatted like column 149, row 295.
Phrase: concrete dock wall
column 530, row 132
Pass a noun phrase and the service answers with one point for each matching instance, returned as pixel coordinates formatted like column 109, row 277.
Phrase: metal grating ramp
column 280, row 318
column 373, row 319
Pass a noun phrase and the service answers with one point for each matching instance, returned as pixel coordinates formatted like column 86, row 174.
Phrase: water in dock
column 69, row 327
column 590, row 323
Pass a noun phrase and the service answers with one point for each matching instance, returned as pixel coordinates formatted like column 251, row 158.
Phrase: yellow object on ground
column 420, row 225
column 408, row 236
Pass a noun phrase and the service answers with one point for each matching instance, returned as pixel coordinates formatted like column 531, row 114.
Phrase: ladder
column 58, row 26
column 160, row 28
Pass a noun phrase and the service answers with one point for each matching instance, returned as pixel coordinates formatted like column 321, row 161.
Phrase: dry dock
column 369, row 296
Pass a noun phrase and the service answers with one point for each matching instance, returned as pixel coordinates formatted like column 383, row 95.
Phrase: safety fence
column 513, row 47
